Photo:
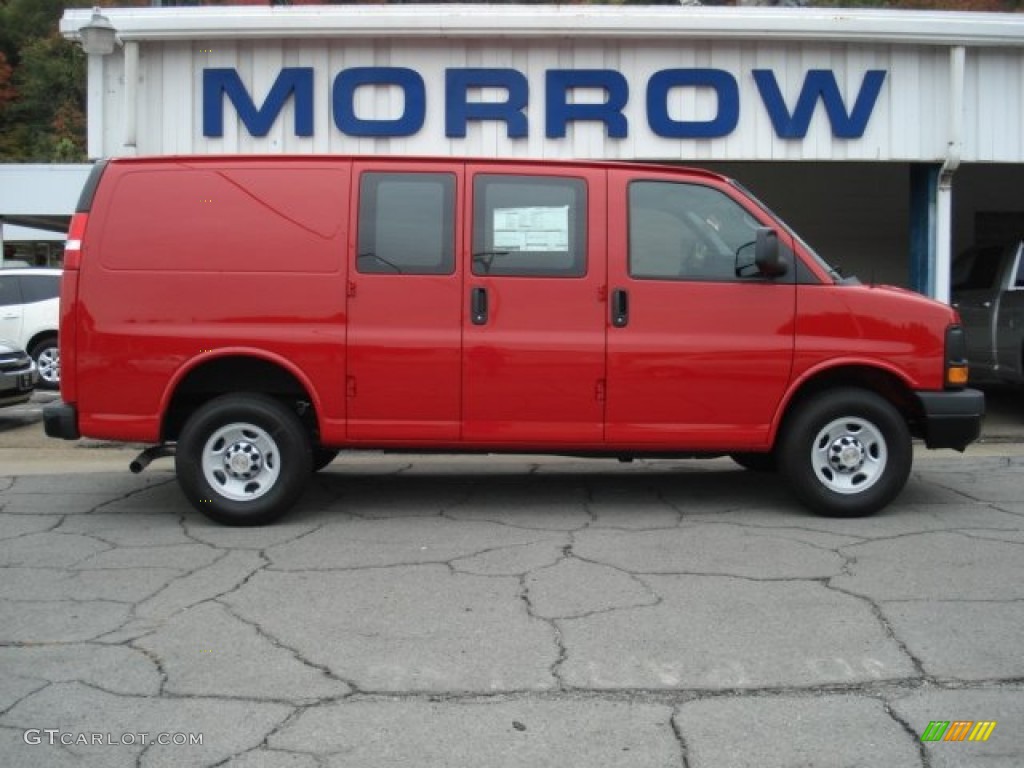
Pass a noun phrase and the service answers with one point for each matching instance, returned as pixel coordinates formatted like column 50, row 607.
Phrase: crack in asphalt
column 555, row 669
column 922, row 751
column 295, row 653
column 677, row 732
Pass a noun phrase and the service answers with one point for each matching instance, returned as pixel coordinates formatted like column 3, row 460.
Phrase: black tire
column 322, row 457
column 846, row 452
column 243, row 459
column 756, row 462
column 46, row 353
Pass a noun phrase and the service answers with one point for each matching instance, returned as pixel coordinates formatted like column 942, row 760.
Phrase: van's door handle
column 478, row 306
column 620, row 308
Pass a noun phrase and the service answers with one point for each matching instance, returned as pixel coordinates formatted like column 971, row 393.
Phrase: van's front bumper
column 61, row 420
column 952, row 419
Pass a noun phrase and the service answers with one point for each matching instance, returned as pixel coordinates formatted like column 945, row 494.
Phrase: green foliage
column 45, row 120
column 23, row 20
column 42, row 91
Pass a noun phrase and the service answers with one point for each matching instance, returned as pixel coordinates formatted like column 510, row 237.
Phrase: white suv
column 30, row 317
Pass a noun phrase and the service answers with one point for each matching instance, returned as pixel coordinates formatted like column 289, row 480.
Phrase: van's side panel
column 405, row 302
column 189, row 259
column 705, row 357
column 534, row 322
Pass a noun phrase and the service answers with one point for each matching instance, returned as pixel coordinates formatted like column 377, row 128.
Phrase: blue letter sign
column 348, row 80
column 218, row 83
column 560, row 112
column 458, row 110
column 819, row 83
column 725, row 87
column 560, row 109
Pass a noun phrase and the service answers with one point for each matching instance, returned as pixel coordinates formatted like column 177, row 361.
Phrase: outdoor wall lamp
column 98, row 36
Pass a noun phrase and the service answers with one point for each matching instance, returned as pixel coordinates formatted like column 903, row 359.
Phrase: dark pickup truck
column 988, row 291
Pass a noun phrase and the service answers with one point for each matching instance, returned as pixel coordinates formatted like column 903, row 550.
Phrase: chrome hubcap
column 241, row 461
column 849, row 455
column 48, row 364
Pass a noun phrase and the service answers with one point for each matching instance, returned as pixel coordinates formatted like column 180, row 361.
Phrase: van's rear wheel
column 243, row 459
column 846, row 452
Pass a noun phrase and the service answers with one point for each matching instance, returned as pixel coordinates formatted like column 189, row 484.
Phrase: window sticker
column 535, row 229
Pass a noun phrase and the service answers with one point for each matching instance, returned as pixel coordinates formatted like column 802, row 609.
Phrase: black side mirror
column 767, row 255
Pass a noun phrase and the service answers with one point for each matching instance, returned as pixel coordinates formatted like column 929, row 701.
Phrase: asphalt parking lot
column 489, row 611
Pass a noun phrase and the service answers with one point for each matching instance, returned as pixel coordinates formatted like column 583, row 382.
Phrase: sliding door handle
column 478, row 306
column 620, row 308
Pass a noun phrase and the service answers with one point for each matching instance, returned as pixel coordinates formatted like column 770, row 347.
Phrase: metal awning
column 48, row 222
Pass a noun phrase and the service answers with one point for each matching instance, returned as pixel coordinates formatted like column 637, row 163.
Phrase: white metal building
column 36, row 203
column 889, row 139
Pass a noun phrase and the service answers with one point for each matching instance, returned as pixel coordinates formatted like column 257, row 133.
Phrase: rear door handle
column 620, row 308
column 478, row 306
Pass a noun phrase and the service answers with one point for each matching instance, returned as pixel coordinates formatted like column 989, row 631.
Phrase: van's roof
column 416, row 159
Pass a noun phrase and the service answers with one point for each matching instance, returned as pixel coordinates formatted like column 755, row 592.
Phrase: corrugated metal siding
column 994, row 113
column 910, row 121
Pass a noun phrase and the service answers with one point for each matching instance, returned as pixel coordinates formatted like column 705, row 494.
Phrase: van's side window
column 406, row 224
column 688, row 232
column 529, row 226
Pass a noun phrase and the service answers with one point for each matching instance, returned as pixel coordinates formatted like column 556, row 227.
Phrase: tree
column 25, row 20
column 49, row 112
column 37, row 71
column 7, row 91
column 42, row 82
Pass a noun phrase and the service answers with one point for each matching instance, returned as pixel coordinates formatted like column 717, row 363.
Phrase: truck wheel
column 846, row 452
column 46, row 353
column 243, row 459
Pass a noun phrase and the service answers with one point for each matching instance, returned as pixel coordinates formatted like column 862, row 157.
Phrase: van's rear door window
column 406, row 224
column 529, row 226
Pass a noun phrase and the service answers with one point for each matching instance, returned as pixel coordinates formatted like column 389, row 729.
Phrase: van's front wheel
column 243, row 459
column 846, row 452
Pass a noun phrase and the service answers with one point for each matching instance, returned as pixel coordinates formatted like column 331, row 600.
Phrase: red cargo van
column 254, row 315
